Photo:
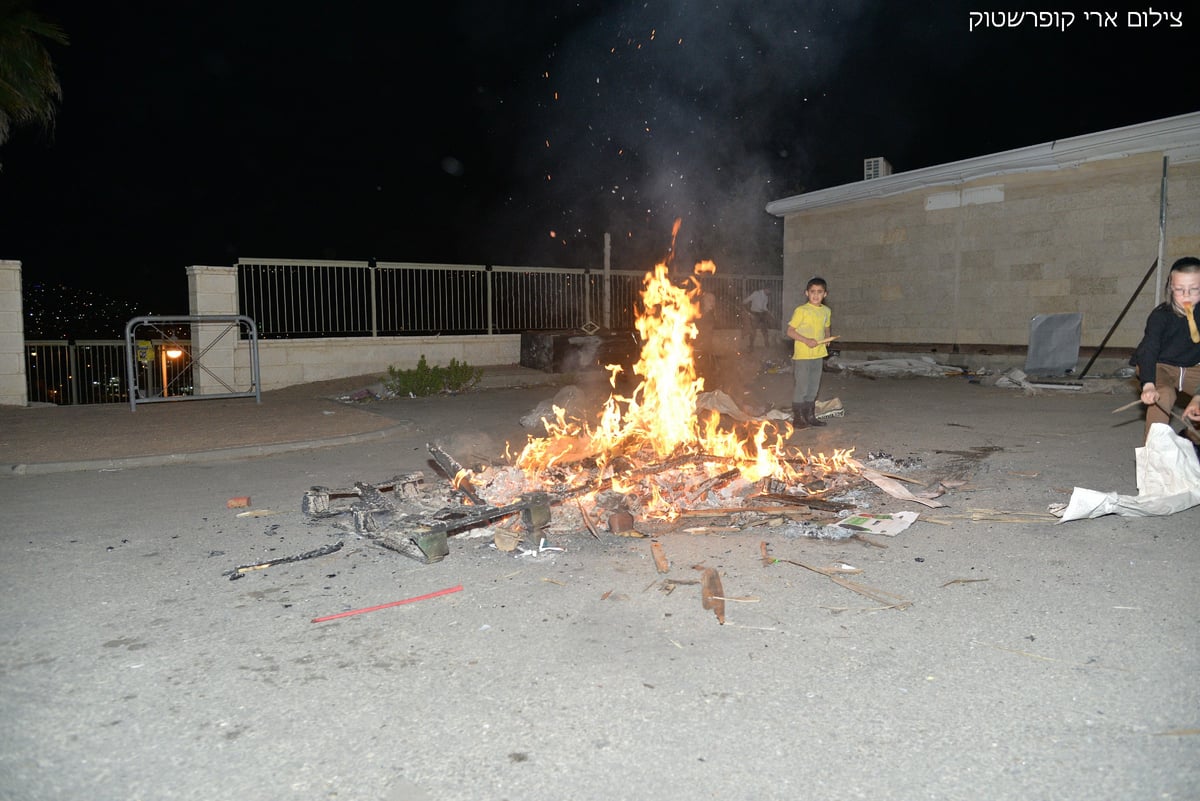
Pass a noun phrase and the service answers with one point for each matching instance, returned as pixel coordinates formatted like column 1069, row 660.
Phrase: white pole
column 607, row 281
column 1162, row 235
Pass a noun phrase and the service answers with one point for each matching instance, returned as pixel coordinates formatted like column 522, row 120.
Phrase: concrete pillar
column 13, row 389
column 213, row 290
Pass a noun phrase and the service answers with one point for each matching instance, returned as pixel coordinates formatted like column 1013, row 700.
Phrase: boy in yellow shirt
column 809, row 327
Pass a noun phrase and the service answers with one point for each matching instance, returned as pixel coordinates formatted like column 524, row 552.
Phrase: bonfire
column 654, row 452
column 647, row 458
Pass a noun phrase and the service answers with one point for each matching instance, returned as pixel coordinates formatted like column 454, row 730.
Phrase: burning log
column 715, row 482
column 643, row 484
column 460, row 477
column 808, row 501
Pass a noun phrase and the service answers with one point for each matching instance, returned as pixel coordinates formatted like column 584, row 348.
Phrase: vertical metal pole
column 374, row 300
column 491, row 319
column 73, row 374
column 1162, row 234
column 162, row 357
column 131, row 376
column 255, row 375
column 607, row 281
column 587, row 295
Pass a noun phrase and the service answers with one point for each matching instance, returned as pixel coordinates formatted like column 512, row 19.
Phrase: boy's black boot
column 810, row 414
column 799, row 418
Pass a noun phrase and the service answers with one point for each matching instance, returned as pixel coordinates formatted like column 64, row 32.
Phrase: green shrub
column 425, row 380
column 462, row 376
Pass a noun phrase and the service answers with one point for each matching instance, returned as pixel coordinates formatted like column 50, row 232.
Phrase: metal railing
column 94, row 371
column 306, row 298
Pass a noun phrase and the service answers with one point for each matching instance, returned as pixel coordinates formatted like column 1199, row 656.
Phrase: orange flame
column 674, row 235
column 462, row 477
column 659, row 418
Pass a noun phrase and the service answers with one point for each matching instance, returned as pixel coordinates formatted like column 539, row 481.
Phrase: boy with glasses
column 1168, row 358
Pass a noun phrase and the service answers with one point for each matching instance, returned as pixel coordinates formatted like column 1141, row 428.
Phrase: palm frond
column 29, row 87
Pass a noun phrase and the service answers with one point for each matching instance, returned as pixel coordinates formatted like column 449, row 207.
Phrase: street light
column 168, row 353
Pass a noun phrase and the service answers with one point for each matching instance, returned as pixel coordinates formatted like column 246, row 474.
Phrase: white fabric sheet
column 1168, row 480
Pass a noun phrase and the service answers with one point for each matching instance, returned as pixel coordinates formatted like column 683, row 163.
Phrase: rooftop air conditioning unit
column 876, row 167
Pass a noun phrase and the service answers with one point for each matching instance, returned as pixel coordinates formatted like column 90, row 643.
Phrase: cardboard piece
column 888, row 525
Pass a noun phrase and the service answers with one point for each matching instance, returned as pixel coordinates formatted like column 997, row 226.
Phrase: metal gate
column 176, row 342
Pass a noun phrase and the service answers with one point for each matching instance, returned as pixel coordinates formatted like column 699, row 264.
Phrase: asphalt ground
column 1033, row 660
column 46, row 438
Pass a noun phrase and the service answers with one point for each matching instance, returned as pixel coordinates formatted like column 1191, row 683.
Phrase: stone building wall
column 967, row 264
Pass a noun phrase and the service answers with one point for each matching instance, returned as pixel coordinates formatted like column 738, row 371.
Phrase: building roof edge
column 1180, row 133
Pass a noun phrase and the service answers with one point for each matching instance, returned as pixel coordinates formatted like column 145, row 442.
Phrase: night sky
column 514, row 133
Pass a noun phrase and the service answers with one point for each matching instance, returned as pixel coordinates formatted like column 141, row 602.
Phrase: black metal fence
column 297, row 299
column 93, row 371
column 300, row 298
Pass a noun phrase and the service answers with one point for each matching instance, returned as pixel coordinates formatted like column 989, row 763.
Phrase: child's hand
column 1149, row 394
column 1192, row 412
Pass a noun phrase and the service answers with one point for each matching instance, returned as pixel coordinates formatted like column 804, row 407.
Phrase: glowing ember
column 658, row 425
column 460, row 477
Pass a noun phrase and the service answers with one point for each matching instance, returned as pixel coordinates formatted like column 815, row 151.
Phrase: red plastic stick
column 446, row 591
